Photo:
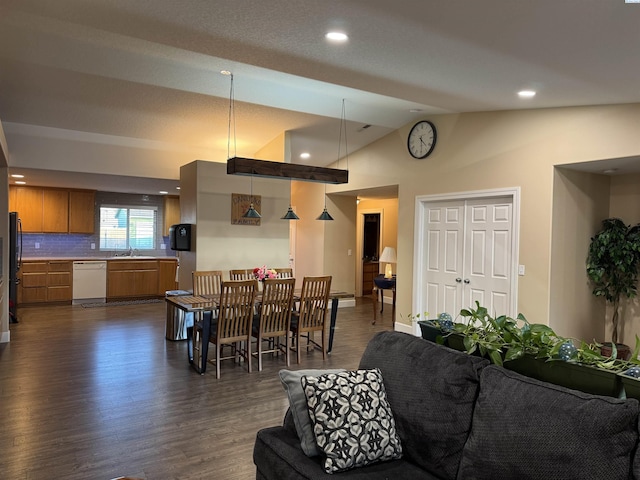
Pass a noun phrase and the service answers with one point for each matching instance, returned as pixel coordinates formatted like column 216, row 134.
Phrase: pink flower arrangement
column 261, row 273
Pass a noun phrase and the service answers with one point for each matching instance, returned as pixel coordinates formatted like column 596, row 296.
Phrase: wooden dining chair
column 207, row 282
column 284, row 272
column 271, row 324
column 312, row 313
column 241, row 274
column 234, row 322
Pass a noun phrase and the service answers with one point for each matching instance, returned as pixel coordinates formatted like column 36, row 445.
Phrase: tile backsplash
column 79, row 245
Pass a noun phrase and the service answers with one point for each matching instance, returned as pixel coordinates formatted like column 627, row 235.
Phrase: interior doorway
column 370, row 251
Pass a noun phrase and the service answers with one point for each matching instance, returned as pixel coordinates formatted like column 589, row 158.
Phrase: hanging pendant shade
column 251, row 213
column 290, row 215
column 325, row 215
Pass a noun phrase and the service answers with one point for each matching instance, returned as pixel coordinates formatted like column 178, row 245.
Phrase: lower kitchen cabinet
column 167, row 275
column 132, row 278
column 45, row 281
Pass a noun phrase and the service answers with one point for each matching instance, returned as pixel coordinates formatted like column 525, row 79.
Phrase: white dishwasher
column 89, row 281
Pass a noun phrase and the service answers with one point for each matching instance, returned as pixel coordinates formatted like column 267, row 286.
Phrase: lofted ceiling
column 136, row 85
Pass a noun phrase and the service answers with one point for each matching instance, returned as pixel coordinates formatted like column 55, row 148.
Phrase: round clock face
column 422, row 139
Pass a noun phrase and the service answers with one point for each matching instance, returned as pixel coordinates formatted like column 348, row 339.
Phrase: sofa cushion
column 351, row 418
column 298, row 405
column 431, row 390
column 527, row 429
column 278, row 456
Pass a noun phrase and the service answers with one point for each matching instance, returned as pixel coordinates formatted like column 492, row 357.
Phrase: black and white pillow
column 352, row 421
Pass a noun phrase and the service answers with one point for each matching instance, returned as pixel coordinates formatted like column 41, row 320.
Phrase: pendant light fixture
column 251, row 212
column 343, row 129
column 290, row 215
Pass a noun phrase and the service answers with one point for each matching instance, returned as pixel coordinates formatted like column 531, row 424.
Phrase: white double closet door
column 467, row 253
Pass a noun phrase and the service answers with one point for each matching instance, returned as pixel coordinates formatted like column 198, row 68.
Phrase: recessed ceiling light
column 20, row 182
column 305, row 155
column 225, row 72
column 526, row 94
column 415, row 110
column 162, row 192
column 610, row 170
column 17, row 175
column 177, row 188
column 337, row 36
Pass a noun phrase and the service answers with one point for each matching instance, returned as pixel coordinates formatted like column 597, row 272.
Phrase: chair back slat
column 207, row 282
column 284, row 272
column 275, row 311
column 241, row 274
column 235, row 311
column 314, row 300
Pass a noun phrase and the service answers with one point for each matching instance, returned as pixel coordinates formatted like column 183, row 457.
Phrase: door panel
column 468, row 255
column 444, row 247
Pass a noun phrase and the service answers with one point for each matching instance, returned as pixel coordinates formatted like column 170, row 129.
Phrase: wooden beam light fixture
column 269, row 169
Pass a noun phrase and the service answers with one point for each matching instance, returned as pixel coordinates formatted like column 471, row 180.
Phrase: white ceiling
column 146, row 72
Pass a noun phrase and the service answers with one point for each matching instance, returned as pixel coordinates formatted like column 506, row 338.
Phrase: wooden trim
column 264, row 168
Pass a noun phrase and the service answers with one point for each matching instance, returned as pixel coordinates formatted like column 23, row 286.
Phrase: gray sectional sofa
column 458, row 417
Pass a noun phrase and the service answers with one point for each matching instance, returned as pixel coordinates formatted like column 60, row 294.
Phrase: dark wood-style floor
column 97, row 393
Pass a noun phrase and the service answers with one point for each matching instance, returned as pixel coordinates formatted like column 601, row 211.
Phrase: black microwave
column 180, row 236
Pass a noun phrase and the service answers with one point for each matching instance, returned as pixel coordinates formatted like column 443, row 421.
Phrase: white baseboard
column 5, row 337
column 403, row 327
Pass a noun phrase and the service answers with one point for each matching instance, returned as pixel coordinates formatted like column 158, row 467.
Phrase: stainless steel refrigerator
column 15, row 261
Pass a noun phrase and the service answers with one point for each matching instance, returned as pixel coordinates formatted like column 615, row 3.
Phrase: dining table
column 198, row 304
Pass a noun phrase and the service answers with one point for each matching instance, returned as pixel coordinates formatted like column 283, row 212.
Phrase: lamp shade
column 388, row 255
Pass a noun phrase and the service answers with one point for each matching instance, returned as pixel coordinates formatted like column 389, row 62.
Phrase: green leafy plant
column 612, row 265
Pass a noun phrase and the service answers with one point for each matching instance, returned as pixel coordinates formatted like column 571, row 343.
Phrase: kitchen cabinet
column 132, row 278
column 27, row 201
column 82, row 211
column 171, row 212
column 167, row 275
column 53, row 210
column 44, row 281
column 60, row 281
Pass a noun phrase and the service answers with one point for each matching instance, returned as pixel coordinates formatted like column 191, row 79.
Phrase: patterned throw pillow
column 291, row 381
column 352, row 421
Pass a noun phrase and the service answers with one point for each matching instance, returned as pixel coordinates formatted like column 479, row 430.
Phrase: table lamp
column 388, row 256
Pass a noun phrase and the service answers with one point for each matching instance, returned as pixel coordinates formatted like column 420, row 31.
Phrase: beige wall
column 625, row 204
column 581, row 202
column 322, row 247
column 479, row 151
column 205, row 199
column 4, row 234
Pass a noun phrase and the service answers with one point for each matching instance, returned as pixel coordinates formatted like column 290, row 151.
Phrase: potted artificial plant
column 612, row 267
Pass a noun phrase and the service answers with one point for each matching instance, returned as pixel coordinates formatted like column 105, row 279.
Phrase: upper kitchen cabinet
column 27, row 201
column 82, row 211
column 171, row 212
column 53, row 210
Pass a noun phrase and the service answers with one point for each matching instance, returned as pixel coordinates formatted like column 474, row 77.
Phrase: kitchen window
column 127, row 228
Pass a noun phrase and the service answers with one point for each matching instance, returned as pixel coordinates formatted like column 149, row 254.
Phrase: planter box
column 456, row 341
column 631, row 386
column 430, row 332
column 571, row 375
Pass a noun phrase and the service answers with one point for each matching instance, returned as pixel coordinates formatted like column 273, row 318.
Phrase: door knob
column 458, row 279
column 466, row 280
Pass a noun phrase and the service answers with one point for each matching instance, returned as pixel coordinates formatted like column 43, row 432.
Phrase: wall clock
column 422, row 139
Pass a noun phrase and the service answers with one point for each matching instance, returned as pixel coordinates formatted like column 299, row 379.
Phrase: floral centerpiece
column 262, row 273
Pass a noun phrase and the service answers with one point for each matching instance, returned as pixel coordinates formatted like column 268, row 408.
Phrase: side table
column 380, row 283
